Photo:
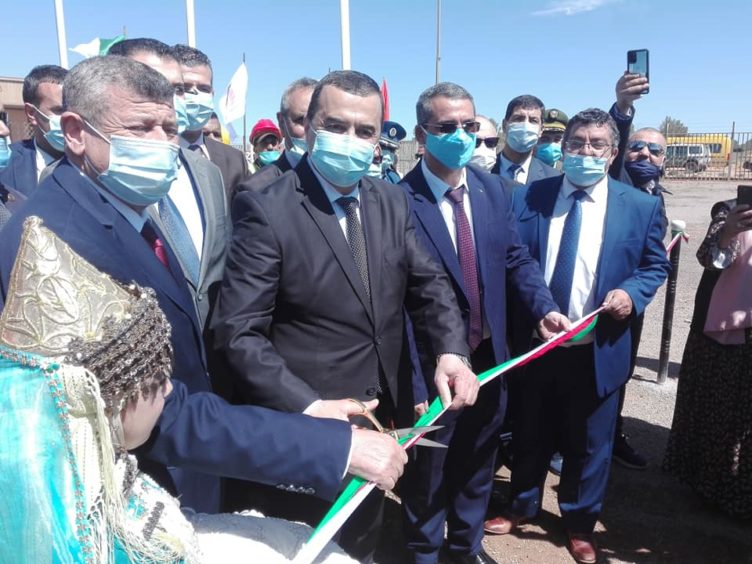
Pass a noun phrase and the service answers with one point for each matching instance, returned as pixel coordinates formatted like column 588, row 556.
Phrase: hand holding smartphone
column 744, row 195
column 638, row 62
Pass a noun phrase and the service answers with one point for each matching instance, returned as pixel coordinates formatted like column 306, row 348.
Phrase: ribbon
column 357, row 490
column 675, row 240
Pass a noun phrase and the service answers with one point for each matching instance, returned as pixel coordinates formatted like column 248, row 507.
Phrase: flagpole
column 61, row 41
column 190, row 17
column 245, row 109
column 438, row 40
column 344, row 25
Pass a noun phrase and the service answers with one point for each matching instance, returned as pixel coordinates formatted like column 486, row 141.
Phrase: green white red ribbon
column 357, row 490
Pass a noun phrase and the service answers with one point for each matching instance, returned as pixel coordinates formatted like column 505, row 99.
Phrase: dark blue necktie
column 513, row 169
column 180, row 238
column 561, row 281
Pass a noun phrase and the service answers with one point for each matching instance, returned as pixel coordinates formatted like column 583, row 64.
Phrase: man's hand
column 451, row 372
column 738, row 220
column 376, row 457
column 421, row 408
column 338, row 409
column 618, row 304
column 629, row 88
column 553, row 323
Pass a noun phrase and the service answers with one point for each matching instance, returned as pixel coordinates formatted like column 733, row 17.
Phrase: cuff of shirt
column 307, row 410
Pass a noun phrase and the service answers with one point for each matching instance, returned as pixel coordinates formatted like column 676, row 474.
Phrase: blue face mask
column 199, row 108
column 643, row 171
column 4, row 152
column 299, row 146
column 549, row 153
column 522, row 136
column 387, row 159
column 453, row 150
column 268, row 157
column 181, row 113
column 342, row 159
column 584, row 171
column 54, row 135
column 141, row 170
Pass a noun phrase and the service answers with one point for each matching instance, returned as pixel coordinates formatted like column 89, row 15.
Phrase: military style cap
column 555, row 120
column 391, row 134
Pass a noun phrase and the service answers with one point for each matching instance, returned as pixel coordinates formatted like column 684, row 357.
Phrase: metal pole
column 190, row 17
column 344, row 26
column 62, row 45
column 245, row 108
column 438, row 40
column 731, row 149
column 677, row 226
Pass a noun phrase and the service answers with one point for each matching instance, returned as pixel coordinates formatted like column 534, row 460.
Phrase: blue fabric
column 561, row 281
column 176, row 229
column 21, row 172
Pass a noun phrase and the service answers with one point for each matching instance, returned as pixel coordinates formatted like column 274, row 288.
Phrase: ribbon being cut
column 357, row 490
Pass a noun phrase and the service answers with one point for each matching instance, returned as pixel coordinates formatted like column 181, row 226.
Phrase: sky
column 569, row 53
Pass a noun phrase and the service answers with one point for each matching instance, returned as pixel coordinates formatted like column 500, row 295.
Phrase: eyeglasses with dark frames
column 490, row 142
column 449, row 128
column 656, row 149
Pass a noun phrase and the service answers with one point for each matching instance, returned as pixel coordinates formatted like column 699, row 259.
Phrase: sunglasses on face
column 489, row 142
column 655, row 148
column 468, row 126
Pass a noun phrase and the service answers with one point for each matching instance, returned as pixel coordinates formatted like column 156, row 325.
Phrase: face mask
column 4, row 152
column 268, row 157
column 181, row 113
column 141, row 170
column 642, row 172
column 54, row 135
column 549, row 153
column 387, row 160
column 453, row 150
column 584, row 171
column 341, row 159
column 522, row 136
column 484, row 158
column 374, row 170
column 299, row 146
column 199, row 108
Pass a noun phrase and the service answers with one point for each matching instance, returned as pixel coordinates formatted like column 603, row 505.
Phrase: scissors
column 398, row 434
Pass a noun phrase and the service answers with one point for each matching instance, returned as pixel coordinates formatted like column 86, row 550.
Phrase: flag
column 385, row 96
column 232, row 104
column 96, row 46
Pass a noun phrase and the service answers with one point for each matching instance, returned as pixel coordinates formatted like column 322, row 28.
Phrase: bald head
column 647, row 135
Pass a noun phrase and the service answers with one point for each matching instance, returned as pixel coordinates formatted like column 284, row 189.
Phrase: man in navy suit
column 463, row 219
column 43, row 104
column 113, row 101
column 522, row 126
column 600, row 243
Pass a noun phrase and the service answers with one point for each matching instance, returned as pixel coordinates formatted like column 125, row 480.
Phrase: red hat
column 264, row 127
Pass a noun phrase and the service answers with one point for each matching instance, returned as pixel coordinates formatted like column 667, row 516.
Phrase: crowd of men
column 313, row 284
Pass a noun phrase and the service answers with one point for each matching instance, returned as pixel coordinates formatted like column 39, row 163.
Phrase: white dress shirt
column 333, row 195
column 582, row 300
column 44, row 159
column 521, row 175
column 446, row 206
column 200, row 142
column 183, row 196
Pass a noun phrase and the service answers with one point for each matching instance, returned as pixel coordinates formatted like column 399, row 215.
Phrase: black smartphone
column 638, row 62
column 744, row 194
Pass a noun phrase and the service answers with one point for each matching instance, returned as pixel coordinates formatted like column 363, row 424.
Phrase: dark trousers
column 453, row 485
column 636, row 331
column 558, row 407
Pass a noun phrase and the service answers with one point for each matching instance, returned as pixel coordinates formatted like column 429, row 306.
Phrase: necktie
column 355, row 238
column 513, row 170
column 149, row 233
column 180, row 238
column 561, row 280
column 468, row 265
column 196, row 149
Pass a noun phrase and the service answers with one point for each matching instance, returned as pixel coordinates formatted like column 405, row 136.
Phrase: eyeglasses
column 489, row 142
column 575, row 146
column 656, row 149
column 468, row 126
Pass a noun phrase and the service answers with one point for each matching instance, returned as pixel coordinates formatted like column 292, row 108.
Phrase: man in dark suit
column 43, row 104
column 522, row 126
column 291, row 118
column 322, row 265
column 101, row 215
column 464, row 221
column 599, row 243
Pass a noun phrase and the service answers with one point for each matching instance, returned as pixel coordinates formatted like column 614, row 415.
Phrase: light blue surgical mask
column 141, row 170
column 181, row 113
column 453, row 150
column 374, row 170
column 387, row 159
column 268, row 157
column 584, row 170
column 199, row 108
column 54, row 135
column 549, row 153
column 299, row 146
column 342, row 159
column 4, row 152
column 522, row 136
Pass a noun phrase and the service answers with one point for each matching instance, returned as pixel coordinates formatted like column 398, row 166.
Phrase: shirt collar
column 506, row 163
column 437, row 185
column 48, row 159
column 331, row 192
column 137, row 220
column 596, row 192
column 185, row 144
column 292, row 158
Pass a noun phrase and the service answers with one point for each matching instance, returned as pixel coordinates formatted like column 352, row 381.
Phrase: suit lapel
column 370, row 213
column 201, row 184
column 612, row 230
column 479, row 208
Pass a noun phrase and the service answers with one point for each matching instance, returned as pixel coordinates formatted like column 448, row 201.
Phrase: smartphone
column 744, row 194
column 638, row 63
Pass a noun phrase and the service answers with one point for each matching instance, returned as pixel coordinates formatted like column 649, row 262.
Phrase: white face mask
column 484, row 157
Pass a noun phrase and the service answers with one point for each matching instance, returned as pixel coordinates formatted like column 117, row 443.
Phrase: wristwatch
column 462, row 357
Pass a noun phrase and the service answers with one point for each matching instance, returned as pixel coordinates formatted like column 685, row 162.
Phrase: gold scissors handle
column 365, row 412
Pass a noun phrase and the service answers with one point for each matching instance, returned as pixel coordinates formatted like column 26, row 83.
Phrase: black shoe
column 628, row 457
column 555, row 465
column 481, row 558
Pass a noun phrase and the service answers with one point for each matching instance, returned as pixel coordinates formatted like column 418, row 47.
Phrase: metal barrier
column 711, row 156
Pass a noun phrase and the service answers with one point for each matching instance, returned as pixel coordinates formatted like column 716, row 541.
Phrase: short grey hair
column 301, row 83
column 592, row 116
column 423, row 110
column 492, row 121
column 85, row 90
column 651, row 129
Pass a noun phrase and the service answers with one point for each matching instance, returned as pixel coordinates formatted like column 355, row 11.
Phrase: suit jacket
column 538, row 170
column 231, row 163
column 199, row 436
column 262, row 178
column 502, row 258
column 293, row 316
column 632, row 258
column 21, row 172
